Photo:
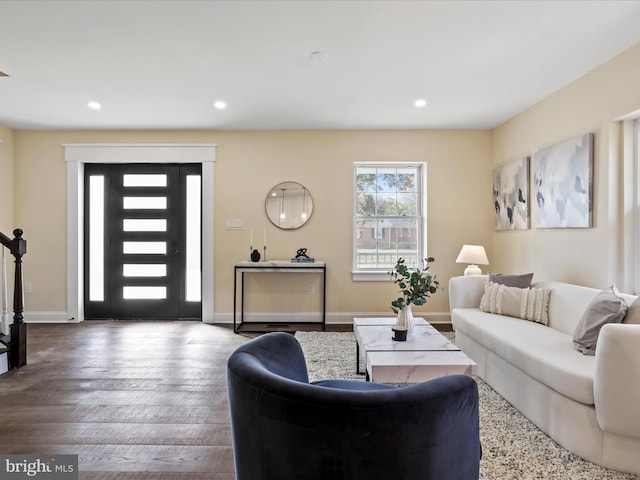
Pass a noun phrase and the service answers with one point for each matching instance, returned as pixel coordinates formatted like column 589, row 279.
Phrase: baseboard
column 331, row 318
column 47, row 317
column 435, row 318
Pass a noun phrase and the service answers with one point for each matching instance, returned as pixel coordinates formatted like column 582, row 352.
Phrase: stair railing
column 17, row 338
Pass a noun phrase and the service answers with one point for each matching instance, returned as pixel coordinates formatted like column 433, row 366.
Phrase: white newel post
column 4, row 324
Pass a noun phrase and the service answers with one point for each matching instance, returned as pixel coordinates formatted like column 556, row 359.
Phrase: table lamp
column 473, row 255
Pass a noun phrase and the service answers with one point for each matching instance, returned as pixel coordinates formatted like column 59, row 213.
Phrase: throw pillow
column 519, row 281
column 607, row 307
column 633, row 314
column 525, row 303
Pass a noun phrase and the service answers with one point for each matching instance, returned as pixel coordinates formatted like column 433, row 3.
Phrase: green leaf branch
column 416, row 284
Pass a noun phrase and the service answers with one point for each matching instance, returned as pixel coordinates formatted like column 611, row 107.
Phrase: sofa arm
column 616, row 389
column 466, row 292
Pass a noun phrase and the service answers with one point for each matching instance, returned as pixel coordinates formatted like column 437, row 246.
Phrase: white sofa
column 588, row 404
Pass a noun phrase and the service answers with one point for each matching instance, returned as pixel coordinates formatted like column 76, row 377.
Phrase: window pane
column 96, row 238
column 366, row 179
column 144, row 293
column 144, row 203
column 144, row 180
column 407, row 180
column 144, row 270
column 387, row 215
column 386, row 204
column 144, row 225
column 151, row 248
column 386, row 179
column 193, row 274
column 366, row 204
column 406, row 204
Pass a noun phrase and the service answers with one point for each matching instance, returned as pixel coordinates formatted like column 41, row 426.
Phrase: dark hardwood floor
column 135, row 400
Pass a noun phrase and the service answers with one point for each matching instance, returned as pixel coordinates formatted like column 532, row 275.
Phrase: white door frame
column 77, row 155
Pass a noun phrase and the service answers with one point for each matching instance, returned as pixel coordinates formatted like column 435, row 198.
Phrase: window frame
column 360, row 274
column 636, row 205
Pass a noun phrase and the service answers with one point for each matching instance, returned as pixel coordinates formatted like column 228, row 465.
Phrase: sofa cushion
column 607, row 307
column 543, row 353
column 526, row 303
column 510, row 280
column 633, row 313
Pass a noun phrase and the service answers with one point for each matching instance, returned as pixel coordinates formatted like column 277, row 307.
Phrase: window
column 388, row 217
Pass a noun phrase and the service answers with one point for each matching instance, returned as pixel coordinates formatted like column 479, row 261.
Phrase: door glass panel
column 96, row 238
column 144, row 203
column 152, row 248
column 144, row 225
column 193, row 214
column 144, row 180
column 144, row 293
column 144, row 270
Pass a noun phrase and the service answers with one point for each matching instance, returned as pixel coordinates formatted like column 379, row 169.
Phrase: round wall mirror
column 289, row 205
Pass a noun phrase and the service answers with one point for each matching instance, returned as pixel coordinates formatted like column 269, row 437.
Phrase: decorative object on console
column 255, row 256
column 302, row 257
column 563, row 184
column 416, row 286
column 511, row 195
column 473, row 255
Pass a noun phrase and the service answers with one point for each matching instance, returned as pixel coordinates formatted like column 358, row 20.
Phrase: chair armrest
column 466, row 292
column 616, row 389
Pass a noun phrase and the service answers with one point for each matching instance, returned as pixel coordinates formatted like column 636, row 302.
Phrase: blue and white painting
column 511, row 195
column 562, row 184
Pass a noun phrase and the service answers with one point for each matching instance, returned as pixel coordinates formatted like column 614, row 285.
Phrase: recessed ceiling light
column 318, row 56
column 220, row 105
column 420, row 103
column 93, row 105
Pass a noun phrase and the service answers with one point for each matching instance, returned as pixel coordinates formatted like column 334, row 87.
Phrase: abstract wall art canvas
column 563, row 184
column 511, row 195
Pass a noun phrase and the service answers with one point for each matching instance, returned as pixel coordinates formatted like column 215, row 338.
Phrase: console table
column 274, row 266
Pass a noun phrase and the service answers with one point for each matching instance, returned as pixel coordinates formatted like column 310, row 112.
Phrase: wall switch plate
column 235, row 224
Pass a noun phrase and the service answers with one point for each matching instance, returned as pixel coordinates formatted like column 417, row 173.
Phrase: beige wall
column 247, row 165
column 459, row 167
column 596, row 256
column 6, row 181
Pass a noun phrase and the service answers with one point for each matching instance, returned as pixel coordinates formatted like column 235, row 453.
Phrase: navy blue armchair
column 285, row 428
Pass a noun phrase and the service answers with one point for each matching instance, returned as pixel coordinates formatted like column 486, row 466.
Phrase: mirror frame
column 289, row 212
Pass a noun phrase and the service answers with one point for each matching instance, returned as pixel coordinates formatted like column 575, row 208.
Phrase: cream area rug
column 513, row 448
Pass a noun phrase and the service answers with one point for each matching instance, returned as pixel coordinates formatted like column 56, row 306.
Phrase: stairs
column 4, row 354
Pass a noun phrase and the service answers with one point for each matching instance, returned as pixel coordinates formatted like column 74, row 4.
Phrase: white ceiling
column 162, row 64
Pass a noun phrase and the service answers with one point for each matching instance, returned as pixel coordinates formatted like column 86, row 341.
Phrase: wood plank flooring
column 135, row 400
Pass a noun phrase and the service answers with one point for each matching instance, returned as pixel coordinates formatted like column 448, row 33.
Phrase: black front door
column 142, row 241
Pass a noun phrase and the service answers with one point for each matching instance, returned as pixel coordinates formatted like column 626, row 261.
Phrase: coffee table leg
column 357, row 357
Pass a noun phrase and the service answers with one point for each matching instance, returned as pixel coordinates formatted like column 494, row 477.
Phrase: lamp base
column 473, row 270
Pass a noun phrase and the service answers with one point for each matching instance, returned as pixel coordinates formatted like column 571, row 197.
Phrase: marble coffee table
column 427, row 354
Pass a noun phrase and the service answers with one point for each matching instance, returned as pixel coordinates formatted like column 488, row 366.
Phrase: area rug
column 513, row 448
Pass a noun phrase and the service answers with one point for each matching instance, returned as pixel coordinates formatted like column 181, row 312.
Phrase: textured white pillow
column 526, row 303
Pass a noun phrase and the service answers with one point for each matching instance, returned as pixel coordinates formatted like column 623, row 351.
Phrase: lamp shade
column 474, row 255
